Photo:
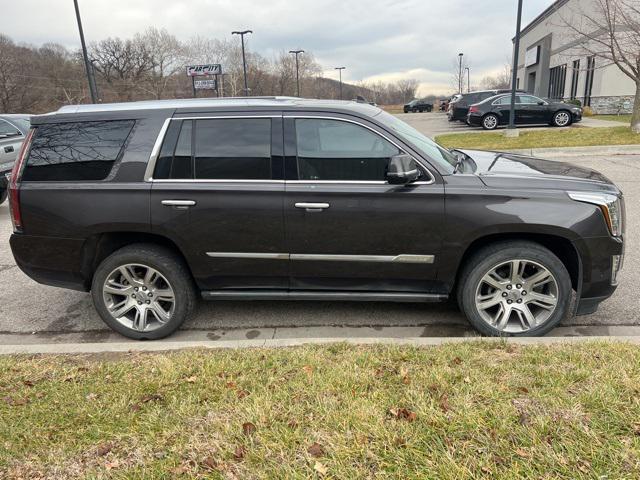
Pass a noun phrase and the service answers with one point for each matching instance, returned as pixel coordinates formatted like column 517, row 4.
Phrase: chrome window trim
column 402, row 258
column 363, row 182
column 155, row 152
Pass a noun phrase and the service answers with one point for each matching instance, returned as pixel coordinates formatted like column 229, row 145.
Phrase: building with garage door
column 553, row 62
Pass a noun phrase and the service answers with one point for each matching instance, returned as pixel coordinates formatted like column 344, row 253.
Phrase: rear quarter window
column 76, row 150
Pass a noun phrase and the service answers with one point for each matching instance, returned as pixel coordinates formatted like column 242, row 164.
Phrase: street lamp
column 244, row 60
column 84, row 53
column 296, row 53
column 340, row 70
column 511, row 129
column 460, row 55
column 468, row 79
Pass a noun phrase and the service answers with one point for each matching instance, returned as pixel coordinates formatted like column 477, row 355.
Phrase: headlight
column 611, row 205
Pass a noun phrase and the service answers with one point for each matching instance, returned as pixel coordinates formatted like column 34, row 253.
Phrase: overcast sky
column 374, row 39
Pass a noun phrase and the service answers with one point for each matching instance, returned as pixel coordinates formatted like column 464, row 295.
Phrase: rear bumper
column 52, row 261
column 474, row 120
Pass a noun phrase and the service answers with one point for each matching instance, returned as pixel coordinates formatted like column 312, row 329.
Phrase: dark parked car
column 13, row 129
column 529, row 110
column 418, row 106
column 149, row 205
column 459, row 104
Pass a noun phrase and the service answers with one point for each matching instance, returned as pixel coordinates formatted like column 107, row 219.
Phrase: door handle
column 178, row 203
column 312, row 207
column 8, row 149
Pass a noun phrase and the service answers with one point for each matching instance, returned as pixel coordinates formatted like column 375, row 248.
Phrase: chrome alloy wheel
column 490, row 122
column 138, row 297
column 517, row 296
column 562, row 119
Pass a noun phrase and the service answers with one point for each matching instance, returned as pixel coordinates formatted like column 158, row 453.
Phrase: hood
column 490, row 165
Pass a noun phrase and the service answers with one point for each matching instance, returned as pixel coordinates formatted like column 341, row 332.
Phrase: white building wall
column 612, row 90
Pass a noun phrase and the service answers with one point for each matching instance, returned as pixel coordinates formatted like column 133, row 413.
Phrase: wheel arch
column 100, row 245
column 560, row 246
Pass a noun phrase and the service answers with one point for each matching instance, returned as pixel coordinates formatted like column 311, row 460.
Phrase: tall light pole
column 244, row 60
column 511, row 129
column 87, row 66
column 340, row 70
column 460, row 55
column 468, row 70
column 296, row 53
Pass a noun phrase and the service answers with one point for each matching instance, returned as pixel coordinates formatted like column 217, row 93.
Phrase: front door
column 217, row 192
column 531, row 110
column 347, row 228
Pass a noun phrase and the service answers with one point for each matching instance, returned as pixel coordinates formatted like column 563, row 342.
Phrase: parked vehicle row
column 13, row 129
column 149, row 205
column 459, row 104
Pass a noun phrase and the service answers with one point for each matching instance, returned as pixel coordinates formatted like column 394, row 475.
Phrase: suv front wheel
column 514, row 289
column 143, row 291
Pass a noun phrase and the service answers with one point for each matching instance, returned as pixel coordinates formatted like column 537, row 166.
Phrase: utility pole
column 460, row 55
column 87, row 66
column 244, row 60
column 296, row 53
column 511, row 129
column 468, row 79
column 340, row 70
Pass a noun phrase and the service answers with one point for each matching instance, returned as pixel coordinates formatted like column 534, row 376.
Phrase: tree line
column 151, row 65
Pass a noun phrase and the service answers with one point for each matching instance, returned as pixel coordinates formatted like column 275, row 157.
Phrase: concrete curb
column 607, row 150
column 88, row 348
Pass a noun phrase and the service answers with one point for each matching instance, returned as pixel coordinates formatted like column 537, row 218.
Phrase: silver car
column 13, row 130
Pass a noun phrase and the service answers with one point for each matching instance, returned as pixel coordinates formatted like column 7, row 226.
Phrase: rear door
column 218, row 189
column 347, row 228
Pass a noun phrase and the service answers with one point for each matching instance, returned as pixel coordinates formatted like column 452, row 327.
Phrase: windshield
column 431, row 149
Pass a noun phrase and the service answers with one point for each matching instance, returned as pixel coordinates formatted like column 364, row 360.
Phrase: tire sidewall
column 484, row 263
column 555, row 119
column 163, row 262
column 491, row 115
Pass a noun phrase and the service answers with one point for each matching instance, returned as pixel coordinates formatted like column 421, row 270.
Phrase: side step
column 322, row 295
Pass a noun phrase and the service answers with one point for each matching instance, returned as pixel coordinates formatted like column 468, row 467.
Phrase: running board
column 322, row 295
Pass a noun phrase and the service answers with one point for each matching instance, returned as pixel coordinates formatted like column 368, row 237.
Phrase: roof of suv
column 224, row 103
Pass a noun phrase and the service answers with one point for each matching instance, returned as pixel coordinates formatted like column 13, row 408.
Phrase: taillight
column 14, row 184
column 473, row 109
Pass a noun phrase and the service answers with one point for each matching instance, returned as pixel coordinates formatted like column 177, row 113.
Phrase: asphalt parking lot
column 27, row 307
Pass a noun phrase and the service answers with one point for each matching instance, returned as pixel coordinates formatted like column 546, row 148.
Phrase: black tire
column 487, row 258
column 566, row 118
column 490, row 121
column 3, row 195
column 165, row 261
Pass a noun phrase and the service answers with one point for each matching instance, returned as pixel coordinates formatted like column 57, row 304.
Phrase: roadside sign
column 201, row 70
column 205, row 84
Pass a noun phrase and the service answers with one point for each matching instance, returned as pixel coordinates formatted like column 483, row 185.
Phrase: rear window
column 76, row 150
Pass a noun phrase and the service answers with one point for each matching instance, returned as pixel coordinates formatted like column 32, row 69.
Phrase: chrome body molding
column 264, row 256
column 323, row 295
column 403, row 258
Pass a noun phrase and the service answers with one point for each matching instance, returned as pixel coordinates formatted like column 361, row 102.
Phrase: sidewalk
column 607, row 150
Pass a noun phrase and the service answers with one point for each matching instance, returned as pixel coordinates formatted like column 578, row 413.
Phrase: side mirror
column 402, row 169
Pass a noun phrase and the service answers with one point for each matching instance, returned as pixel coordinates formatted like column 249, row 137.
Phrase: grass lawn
column 569, row 137
column 614, row 118
column 473, row 410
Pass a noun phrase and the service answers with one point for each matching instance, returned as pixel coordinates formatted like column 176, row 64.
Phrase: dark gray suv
column 149, row 205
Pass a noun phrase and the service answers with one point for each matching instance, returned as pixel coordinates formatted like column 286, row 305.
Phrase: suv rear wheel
column 515, row 289
column 143, row 291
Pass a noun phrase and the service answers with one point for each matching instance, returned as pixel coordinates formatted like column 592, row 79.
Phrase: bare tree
column 500, row 81
column 165, row 55
column 458, row 81
column 610, row 30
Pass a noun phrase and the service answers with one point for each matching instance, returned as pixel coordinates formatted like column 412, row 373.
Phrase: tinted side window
column 76, row 151
column 336, row 150
column 229, row 149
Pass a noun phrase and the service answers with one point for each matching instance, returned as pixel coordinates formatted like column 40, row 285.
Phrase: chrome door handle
column 178, row 203
column 312, row 207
